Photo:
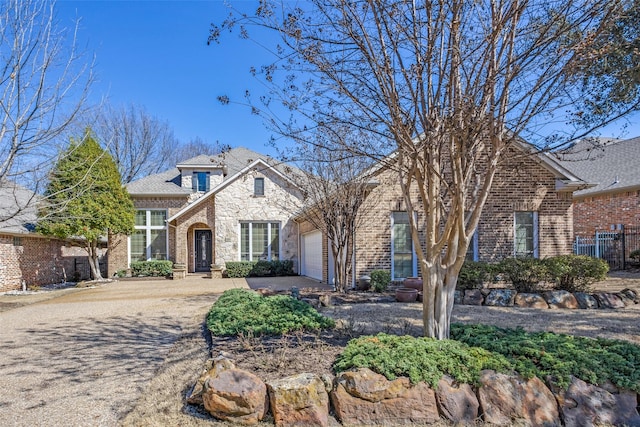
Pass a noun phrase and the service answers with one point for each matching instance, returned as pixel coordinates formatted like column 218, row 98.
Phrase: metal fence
column 612, row 246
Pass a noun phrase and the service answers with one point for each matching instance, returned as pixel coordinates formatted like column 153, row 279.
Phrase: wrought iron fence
column 612, row 246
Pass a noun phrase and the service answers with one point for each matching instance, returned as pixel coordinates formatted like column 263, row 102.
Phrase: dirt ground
column 270, row 358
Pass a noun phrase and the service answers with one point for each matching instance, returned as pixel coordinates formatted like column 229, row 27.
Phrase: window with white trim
column 403, row 259
column 526, row 234
column 200, row 182
column 258, row 186
column 259, row 241
column 149, row 240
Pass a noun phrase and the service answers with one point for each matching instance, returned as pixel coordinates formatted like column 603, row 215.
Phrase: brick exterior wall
column 39, row 261
column 521, row 184
column 600, row 212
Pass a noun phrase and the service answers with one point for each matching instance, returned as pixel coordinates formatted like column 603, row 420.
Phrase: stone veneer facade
column 221, row 213
column 39, row 261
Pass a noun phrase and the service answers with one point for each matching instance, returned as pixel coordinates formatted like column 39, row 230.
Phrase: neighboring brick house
column 528, row 212
column 210, row 210
column 26, row 256
column 613, row 167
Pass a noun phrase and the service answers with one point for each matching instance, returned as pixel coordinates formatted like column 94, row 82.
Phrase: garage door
column 312, row 255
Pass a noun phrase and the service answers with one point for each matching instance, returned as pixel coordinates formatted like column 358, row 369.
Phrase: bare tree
column 335, row 188
column 194, row 148
column 443, row 90
column 140, row 143
column 43, row 86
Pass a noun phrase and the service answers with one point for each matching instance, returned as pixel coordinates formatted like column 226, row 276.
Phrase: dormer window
column 258, row 187
column 200, row 182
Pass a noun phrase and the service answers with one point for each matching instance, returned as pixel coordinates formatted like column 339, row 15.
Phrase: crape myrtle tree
column 44, row 81
column 95, row 202
column 443, row 90
column 335, row 187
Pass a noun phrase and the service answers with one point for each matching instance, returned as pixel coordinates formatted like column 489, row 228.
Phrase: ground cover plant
column 239, row 311
column 545, row 354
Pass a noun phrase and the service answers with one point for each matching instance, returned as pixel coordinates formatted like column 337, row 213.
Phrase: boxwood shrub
column 525, row 274
column 240, row 311
column 259, row 268
column 380, row 280
column 575, row 273
column 474, row 273
column 151, row 268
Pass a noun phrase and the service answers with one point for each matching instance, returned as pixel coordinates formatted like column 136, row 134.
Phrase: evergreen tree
column 85, row 199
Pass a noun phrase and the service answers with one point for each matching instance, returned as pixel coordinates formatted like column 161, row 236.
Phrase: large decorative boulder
column 560, row 299
column 584, row 404
column 211, row 368
column 237, row 396
column 630, row 296
column 300, row 400
column 500, row 298
column 457, row 402
column 504, row 399
column 585, row 301
column 363, row 397
column 473, row 297
column 609, row 300
column 530, row 301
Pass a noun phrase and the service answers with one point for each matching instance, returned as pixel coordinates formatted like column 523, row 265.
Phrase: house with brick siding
column 528, row 213
column 613, row 168
column 29, row 257
column 234, row 206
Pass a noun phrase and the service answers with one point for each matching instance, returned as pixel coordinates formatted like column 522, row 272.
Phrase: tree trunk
column 94, row 263
column 439, row 285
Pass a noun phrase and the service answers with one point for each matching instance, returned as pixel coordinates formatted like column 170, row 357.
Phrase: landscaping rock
column 500, row 298
column 472, row 297
column 631, row 295
column 237, row 396
column 312, row 302
column 326, row 300
column 299, row 400
column 585, row 301
column 530, row 301
column 609, row 300
column 458, row 296
column 584, row 404
column 363, row 397
column 505, row 399
column 560, row 299
column 457, row 402
column 211, row 368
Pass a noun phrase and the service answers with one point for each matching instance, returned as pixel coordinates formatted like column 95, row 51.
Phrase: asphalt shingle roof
column 612, row 164
column 18, row 212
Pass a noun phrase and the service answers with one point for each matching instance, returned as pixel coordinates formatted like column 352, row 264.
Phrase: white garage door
column 312, row 255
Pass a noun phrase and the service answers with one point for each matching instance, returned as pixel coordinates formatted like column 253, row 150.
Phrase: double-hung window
column 259, row 241
column 258, row 187
column 403, row 259
column 526, row 234
column 149, row 240
column 200, row 182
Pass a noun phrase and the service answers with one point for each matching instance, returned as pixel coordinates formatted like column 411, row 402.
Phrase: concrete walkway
column 82, row 357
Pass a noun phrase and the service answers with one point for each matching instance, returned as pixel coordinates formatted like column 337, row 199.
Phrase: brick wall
column 39, row 261
column 600, row 212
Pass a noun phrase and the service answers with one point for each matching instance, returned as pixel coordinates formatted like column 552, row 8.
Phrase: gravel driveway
column 82, row 357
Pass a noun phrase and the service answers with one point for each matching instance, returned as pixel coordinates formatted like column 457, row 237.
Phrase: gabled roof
column 612, row 165
column 18, row 212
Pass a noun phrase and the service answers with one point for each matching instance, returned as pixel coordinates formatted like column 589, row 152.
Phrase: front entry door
column 203, row 250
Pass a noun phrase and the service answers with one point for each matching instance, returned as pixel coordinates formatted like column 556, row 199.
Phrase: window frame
column 414, row 257
column 195, row 181
column 535, row 237
column 269, row 246
column 148, row 228
column 257, row 193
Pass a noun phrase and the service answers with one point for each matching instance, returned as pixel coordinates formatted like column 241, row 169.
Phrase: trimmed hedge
column 474, row 273
column 575, row 273
column 240, row 311
column 151, row 268
column 259, row 268
column 380, row 280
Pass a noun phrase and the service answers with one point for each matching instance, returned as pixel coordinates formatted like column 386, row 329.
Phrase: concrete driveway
column 82, row 357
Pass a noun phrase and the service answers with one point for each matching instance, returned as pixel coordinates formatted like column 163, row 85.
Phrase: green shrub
column 151, row 268
column 420, row 359
column 544, row 353
column 259, row 268
column 575, row 273
column 239, row 311
column 635, row 255
column 380, row 280
column 524, row 273
column 121, row 273
column 474, row 273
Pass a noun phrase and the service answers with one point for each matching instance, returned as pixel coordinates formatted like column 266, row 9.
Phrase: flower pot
column 364, row 283
column 413, row 282
column 406, row 294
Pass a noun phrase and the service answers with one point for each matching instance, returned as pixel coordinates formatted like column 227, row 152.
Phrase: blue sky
column 154, row 54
